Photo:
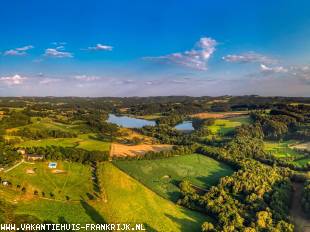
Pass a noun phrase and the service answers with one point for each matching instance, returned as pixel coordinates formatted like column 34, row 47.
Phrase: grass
column 54, row 212
column 75, row 182
column 39, row 123
column 281, row 149
column 285, row 150
column 84, row 141
column 128, row 201
column 224, row 126
column 163, row 175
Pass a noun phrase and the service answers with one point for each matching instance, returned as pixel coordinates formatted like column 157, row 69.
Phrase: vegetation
column 164, row 175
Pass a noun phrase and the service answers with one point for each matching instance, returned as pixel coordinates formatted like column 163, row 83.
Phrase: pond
column 129, row 122
column 185, row 126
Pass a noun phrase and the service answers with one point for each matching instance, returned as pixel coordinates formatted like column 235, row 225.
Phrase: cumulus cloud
column 100, row 47
column 22, row 51
column 13, row 80
column 249, row 57
column 275, row 69
column 196, row 58
column 57, row 53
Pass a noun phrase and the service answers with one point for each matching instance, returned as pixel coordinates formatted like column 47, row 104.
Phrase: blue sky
column 142, row 48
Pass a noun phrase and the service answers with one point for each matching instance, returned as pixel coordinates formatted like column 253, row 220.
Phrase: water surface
column 129, row 122
column 185, row 126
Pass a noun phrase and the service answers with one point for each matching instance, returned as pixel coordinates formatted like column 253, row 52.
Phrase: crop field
column 163, row 175
column 120, row 150
column 219, row 115
column 224, row 126
column 128, row 201
column 71, row 180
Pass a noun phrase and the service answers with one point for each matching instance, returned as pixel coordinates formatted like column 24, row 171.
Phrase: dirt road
column 302, row 223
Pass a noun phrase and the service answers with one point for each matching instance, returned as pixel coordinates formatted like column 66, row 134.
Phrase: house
column 52, row 165
column 21, row 151
column 34, row 157
column 5, row 183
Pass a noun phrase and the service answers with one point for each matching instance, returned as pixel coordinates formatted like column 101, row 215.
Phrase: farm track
column 302, row 223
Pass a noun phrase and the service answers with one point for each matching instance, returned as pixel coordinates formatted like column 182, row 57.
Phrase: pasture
column 163, row 175
column 128, row 201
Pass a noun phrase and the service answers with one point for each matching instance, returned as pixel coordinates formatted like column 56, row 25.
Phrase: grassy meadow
column 163, row 175
column 128, row 201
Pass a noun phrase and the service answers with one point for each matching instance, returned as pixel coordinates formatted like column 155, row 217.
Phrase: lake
column 130, row 122
column 185, row 126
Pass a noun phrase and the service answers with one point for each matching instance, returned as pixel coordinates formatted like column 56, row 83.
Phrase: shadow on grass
column 92, row 212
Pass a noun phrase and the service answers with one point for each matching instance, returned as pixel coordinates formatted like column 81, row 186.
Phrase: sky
column 149, row 48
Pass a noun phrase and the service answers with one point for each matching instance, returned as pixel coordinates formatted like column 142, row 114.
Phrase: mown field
column 163, row 175
column 75, row 181
column 128, row 201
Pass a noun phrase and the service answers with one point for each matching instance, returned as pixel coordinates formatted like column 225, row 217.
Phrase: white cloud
column 197, row 58
column 13, row 80
column 22, row 51
column 86, row 78
column 100, row 47
column 249, row 57
column 275, row 69
column 54, row 52
column 47, row 81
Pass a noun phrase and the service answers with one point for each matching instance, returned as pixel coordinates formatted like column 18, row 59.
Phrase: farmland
column 163, row 175
column 120, row 150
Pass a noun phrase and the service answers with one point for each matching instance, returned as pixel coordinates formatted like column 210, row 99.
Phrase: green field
column 163, row 175
column 56, row 212
column 128, row 201
column 285, row 150
column 224, row 126
column 75, row 182
column 281, row 149
column 83, row 141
